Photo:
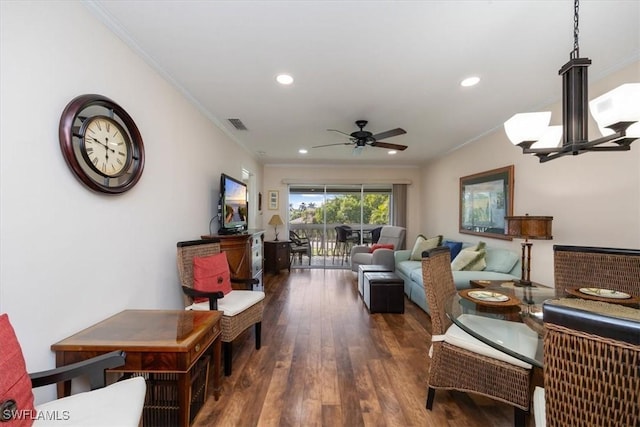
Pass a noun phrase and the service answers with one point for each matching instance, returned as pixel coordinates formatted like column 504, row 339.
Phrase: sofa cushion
column 454, row 247
column 424, row 244
column 469, row 260
column 501, row 260
column 408, row 267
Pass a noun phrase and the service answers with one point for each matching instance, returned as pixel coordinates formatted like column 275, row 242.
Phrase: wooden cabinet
column 244, row 254
column 277, row 256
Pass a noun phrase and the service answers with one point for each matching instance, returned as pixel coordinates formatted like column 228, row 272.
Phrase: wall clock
column 101, row 144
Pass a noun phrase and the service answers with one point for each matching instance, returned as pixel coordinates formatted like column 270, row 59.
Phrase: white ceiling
column 393, row 63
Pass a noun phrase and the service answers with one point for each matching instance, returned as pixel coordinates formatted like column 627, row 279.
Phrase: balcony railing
column 323, row 243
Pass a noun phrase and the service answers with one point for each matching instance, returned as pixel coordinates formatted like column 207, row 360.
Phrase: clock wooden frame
column 78, row 111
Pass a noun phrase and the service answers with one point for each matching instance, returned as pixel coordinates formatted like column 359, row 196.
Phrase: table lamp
column 276, row 221
column 528, row 227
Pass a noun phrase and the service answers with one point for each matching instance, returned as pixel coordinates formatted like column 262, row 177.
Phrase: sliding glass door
column 322, row 212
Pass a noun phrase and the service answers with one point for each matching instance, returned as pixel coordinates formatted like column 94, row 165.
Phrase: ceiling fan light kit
column 362, row 138
column 617, row 114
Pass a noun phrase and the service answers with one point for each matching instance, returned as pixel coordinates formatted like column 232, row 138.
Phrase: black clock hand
column 103, row 144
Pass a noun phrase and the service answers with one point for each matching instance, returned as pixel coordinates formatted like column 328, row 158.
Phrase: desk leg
column 63, row 387
column 217, row 346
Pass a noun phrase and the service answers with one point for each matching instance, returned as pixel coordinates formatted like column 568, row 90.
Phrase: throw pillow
column 15, row 384
column 454, row 247
column 469, row 261
column 382, row 246
column 424, row 244
column 501, row 260
column 477, row 247
column 211, row 274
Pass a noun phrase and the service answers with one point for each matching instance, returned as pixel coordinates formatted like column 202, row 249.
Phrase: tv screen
column 234, row 208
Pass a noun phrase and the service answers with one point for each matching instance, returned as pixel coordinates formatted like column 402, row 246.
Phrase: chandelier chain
column 576, row 48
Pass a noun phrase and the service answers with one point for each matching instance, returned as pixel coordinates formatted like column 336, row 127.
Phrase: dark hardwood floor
column 325, row 361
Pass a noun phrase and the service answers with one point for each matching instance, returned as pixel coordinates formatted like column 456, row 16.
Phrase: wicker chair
column 583, row 266
column 456, row 368
column 591, row 364
column 241, row 308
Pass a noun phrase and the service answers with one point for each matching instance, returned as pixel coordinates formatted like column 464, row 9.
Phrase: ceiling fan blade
column 329, row 145
column 389, row 133
column 339, row 131
column 389, row 145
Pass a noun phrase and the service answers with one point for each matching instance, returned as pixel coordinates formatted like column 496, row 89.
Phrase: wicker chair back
column 438, row 286
column 584, row 266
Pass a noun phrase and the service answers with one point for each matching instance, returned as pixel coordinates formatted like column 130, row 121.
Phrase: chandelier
column 617, row 114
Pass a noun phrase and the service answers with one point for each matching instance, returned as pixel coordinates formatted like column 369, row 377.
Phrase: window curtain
column 399, row 206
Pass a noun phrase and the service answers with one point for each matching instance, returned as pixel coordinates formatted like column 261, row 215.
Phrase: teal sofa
column 502, row 264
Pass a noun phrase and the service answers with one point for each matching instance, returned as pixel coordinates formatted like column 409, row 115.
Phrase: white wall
column 70, row 257
column 594, row 197
column 275, row 177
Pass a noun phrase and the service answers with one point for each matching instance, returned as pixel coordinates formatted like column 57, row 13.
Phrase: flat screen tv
column 233, row 207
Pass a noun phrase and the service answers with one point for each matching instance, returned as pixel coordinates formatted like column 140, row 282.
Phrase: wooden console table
column 244, row 253
column 170, row 343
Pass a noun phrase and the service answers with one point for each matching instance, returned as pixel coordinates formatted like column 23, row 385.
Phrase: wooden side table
column 171, row 343
column 277, row 256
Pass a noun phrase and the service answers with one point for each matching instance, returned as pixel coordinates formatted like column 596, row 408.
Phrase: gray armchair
column 389, row 234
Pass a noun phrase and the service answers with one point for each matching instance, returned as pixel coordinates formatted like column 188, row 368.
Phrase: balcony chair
column 585, row 266
column 389, row 235
column 591, row 365
column 299, row 246
column 458, row 360
column 119, row 404
column 241, row 308
column 346, row 237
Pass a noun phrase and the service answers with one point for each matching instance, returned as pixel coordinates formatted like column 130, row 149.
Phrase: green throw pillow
column 424, row 244
column 469, row 261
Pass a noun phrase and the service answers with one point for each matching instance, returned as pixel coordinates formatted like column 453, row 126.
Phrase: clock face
column 101, row 144
column 105, row 146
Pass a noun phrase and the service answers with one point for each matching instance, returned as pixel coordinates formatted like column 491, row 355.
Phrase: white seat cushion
column 515, row 336
column 538, row 407
column 119, row 404
column 233, row 303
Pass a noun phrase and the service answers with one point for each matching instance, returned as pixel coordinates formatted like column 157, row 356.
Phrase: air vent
column 237, row 123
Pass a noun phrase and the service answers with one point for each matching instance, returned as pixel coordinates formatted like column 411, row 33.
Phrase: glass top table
column 497, row 315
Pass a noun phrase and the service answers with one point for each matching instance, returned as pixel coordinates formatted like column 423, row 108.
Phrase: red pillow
column 15, row 383
column 381, row 246
column 211, row 274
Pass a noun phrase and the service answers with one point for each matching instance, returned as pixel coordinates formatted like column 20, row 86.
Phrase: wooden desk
column 157, row 342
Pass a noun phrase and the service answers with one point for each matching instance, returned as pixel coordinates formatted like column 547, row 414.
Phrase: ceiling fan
column 361, row 138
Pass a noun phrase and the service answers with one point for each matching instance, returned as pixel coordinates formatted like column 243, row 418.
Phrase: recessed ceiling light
column 391, row 152
column 470, row 81
column 302, row 151
column 284, row 79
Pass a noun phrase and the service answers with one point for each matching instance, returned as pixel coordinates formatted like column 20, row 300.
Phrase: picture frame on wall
column 273, row 201
column 485, row 199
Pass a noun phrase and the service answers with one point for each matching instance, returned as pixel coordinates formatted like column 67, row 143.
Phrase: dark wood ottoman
column 383, row 292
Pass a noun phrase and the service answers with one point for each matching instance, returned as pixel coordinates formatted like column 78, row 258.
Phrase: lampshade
column 529, row 227
column 276, row 220
column 621, row 104
column 527, row 126
column 551, row 138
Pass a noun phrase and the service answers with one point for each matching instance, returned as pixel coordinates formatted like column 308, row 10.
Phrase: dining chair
column 588, row 266
column 591, row 364
column 460, row 361
column 241, row 308
column 345, row 239
column 299, row 246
